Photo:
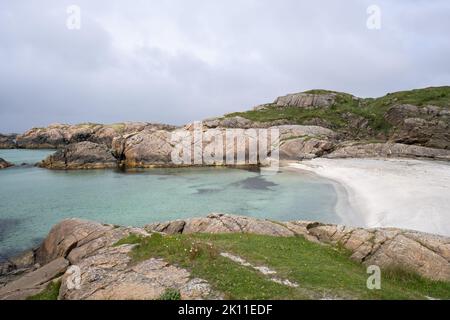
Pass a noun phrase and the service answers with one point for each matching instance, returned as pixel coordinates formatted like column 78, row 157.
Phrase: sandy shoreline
column 411, row 194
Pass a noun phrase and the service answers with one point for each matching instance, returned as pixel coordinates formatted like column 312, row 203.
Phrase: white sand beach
column 410, row 194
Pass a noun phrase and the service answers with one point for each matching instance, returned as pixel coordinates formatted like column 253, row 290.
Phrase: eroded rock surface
column 110, row 275
column 106, row 271
column 221, row 223
column 305, row 142
column 4, row 164
column 8, row 141
column 426, row 125
column 33, row 282
column 306, row 100
column 81, row 155
column 144, row 149
column 426, row 254
column 60, row 135
column 394, row 150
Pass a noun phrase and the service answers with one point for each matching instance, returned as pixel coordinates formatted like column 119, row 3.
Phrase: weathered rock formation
column 82, row 155
column 383, row 150
column 238, row 122
column 106, row 270
column 59, row 135
column 161, row 148
column 4, row 164
column 306, row 100
column 8, row 141
column 147, row 148
column 333, row 124
column 426, row 254
column 305, row 142
column 427, row 126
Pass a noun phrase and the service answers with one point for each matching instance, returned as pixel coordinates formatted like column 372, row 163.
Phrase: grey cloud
column 177, row 61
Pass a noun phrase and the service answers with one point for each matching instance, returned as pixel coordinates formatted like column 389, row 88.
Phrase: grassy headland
column 345, row 105
column 320, row 271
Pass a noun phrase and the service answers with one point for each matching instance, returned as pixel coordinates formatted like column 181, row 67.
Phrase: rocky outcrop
column 82, row 155
column 43, row 138
column 394, row 150
column 427, row 125
column 14, row 267
column 238, row 122
column 304, row 148
column 4, row 164
column 157, row 148
column 8, row 141
column 305, row 142
column 426, row 254
column 151, row 148
column 306, row 100
column 33, row 282
column 60, row 135
column 221, row 223
column 105, row 270
column 107, row 133
column 109, row 275
column 147, row 148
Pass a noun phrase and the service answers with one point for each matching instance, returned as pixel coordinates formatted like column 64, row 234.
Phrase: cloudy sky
column 181, row 60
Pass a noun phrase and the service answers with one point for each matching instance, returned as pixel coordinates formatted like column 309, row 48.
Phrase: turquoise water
column 33, row 199
column 21, row 157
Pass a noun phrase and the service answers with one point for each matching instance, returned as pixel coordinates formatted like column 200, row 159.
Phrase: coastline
column 193, row 256
column 401, row 193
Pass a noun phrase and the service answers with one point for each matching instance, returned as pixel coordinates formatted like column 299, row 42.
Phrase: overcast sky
column 183, row 60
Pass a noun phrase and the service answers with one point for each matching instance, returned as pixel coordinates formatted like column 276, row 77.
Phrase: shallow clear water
column 33, row 199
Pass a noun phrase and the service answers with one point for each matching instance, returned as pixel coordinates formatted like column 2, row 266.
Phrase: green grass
column 170, row 294
column 321, row 271
column 49, row 293
column 437, row 96
column 372, row 109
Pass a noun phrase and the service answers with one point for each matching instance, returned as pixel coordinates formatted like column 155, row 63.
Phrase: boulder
column 296, row 131
column 68, row 235
column 147, row 148
column 81, row 155
column 43, row 138
column 304, row 148
column 8, row 141
column 300, row 142
column 426, row 125
column 306, row 100
column 33, row 282
column 4, row 164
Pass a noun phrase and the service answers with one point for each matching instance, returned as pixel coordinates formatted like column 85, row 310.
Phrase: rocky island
column 316, row 123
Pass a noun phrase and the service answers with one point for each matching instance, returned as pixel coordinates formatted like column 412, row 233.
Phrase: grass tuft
column 51, row 292
column 170, row 294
